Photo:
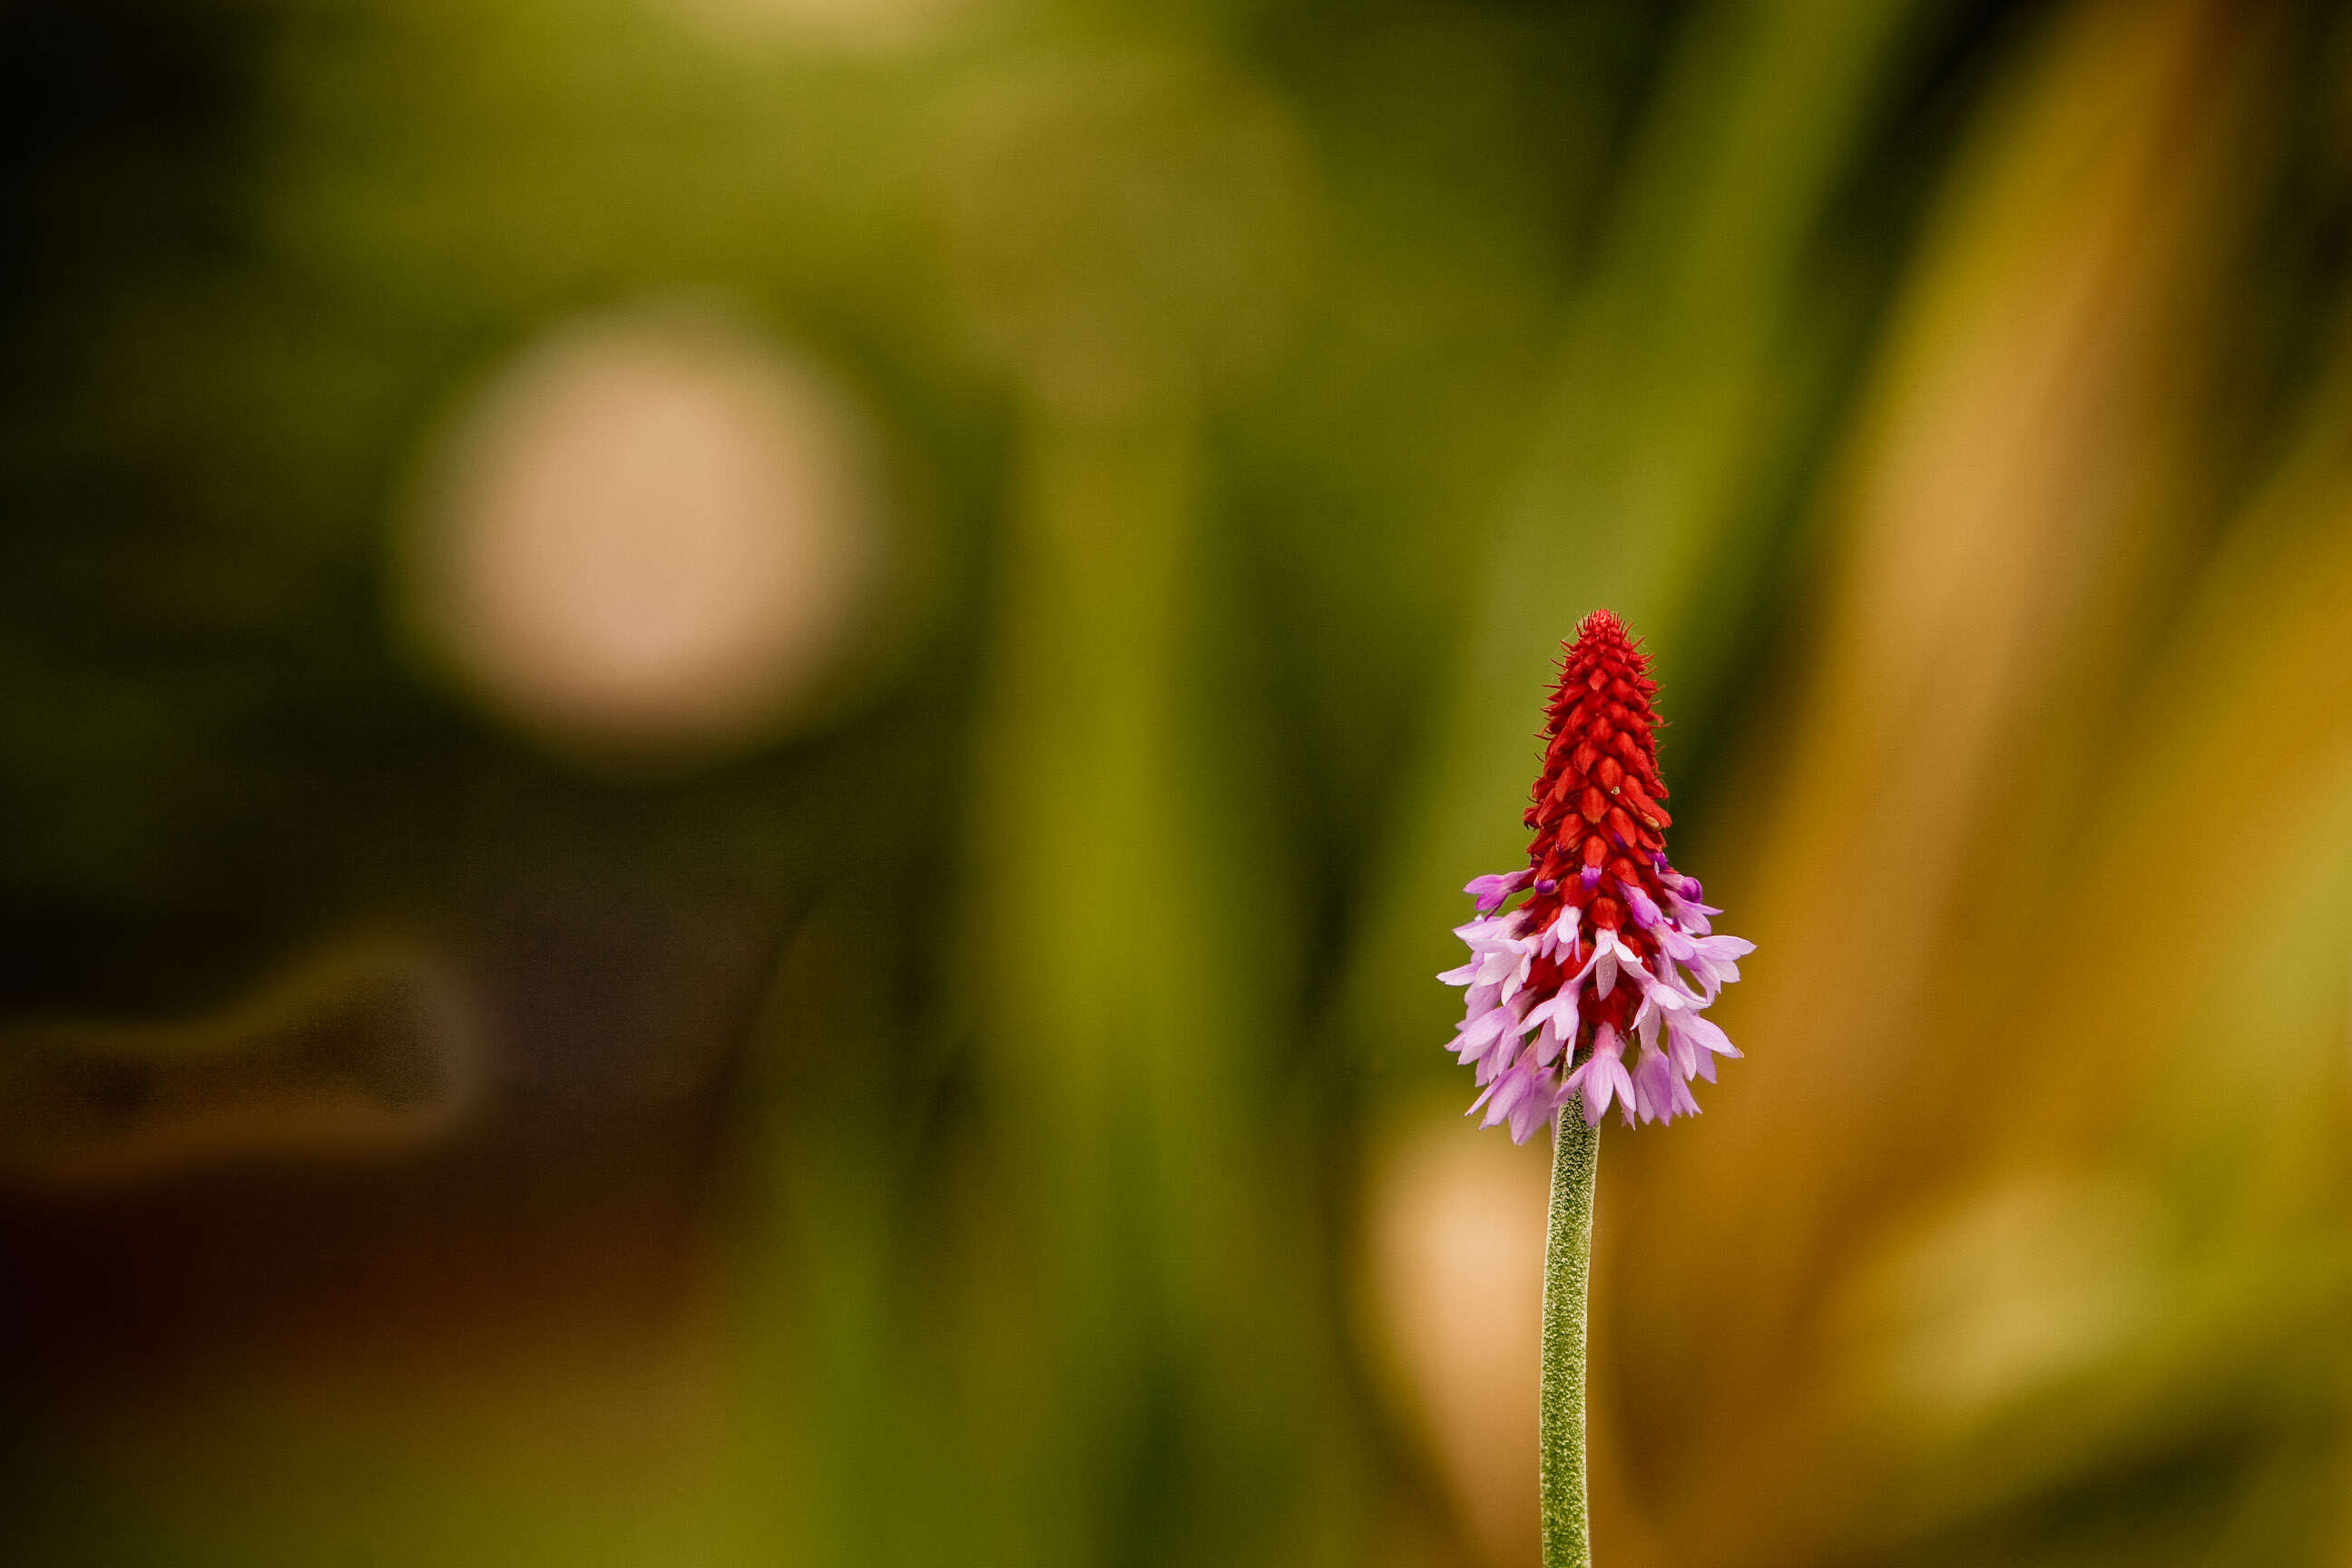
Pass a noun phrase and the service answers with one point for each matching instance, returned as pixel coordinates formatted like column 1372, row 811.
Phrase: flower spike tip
column 1611, row 946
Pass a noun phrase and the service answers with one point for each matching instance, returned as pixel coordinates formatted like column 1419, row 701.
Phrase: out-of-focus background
column 736, row 736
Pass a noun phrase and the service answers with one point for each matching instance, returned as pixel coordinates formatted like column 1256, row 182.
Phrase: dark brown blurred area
column 531, row 1162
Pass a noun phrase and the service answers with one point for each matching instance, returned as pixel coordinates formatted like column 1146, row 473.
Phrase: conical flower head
column 1611, row 946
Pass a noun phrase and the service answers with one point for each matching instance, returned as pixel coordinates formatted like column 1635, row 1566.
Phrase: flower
column 1611, row 944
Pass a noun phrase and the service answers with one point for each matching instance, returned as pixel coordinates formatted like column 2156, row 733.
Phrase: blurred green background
column 735, row 737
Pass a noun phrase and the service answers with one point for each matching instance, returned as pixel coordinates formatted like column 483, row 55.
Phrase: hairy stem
column 1567, row 1268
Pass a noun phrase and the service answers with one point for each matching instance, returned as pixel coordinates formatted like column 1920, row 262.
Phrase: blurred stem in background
column 1122, row 233
column 1125, row 971
column 1092, row 922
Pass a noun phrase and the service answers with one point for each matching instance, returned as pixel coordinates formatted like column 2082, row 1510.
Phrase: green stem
column 1568, row 1271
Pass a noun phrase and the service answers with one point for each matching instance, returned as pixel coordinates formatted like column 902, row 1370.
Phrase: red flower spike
column 1611, row 946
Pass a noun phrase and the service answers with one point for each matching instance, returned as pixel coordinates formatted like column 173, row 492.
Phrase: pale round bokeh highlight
column 651, row 534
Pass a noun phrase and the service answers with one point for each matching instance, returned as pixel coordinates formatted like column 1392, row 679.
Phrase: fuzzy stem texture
column 1568, row 1269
